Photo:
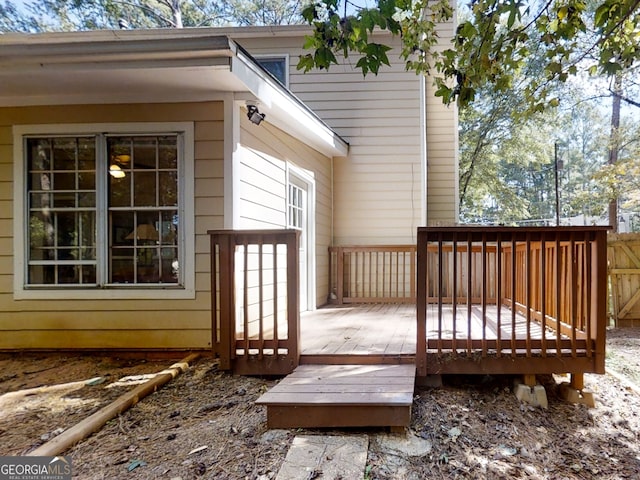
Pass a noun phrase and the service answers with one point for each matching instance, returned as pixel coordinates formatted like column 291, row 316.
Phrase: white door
column 300, row 217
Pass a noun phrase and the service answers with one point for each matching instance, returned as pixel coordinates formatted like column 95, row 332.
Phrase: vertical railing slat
column 498, row 290
column 483, row 293
column 469, row 293
column 454, row 303
column 558, row 295
column 573, row 297
column 412, row 274
column 514, row 293
column 543, row 292
column 528, row 292
column 245, row 300
column 589, row 283
column 276, row 312
column 440, row 292
column 260, row 304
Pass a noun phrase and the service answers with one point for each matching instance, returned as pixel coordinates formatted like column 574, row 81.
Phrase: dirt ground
column 204, row 424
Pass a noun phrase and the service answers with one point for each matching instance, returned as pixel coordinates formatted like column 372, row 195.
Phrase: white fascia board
column 284, row 110
column 27, row 51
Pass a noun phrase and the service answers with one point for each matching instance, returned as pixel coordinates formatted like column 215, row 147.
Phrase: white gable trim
column 284, row 110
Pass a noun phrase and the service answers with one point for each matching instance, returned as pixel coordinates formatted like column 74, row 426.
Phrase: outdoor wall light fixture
column 254, row 115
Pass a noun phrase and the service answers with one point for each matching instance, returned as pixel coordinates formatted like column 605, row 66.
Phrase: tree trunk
column 177, row 14
column 614, row 145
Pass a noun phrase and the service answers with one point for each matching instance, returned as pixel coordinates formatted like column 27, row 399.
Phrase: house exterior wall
column 117, row 323
column 265, row 157
column 378, row 188
column 443, row 198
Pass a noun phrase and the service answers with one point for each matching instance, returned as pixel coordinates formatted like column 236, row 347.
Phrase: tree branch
column 149, row 10
column 624, row 99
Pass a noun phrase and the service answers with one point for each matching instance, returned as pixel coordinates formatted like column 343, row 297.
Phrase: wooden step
column 316, row 396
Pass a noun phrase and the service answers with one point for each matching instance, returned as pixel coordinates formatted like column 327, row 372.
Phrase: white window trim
column 185, row 202
column 304, row 176
column 285, row 56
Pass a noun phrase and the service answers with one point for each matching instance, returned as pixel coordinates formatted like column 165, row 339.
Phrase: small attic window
column 276, row 65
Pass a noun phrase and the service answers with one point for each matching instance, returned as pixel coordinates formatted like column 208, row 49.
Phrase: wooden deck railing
column 255, row 311
column 553, row 281
column 372, row 274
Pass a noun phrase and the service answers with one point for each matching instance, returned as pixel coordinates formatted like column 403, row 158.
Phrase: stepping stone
column 328, row 457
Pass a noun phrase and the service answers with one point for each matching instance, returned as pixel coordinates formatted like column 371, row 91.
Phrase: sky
column 19, row 3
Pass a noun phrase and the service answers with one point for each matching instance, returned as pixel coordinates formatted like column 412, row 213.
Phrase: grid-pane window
column 296, row 206
column 103, row 210
column 61, row 177
column 143, row 210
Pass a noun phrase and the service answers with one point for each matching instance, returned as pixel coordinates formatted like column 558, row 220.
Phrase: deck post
column 226, row 341
column 340, row 275
column 577, row 381
column 421, row 304
column 599, row 298
column 293, row 298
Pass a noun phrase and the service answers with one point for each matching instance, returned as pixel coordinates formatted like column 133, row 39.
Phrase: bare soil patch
column 623, row 352
column 204, row 423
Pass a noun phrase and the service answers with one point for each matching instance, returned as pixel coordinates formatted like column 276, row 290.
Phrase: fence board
column 623, row 252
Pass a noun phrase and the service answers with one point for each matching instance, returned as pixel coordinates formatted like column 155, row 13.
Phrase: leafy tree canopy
column 492, row 45
column 73, row 15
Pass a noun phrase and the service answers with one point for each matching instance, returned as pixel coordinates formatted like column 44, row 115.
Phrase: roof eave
column 286, row 111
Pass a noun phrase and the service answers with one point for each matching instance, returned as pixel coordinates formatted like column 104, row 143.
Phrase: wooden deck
column 463, row 300
column 388, row 330
column 342, row 396
column 373, row 333
column 480, row 340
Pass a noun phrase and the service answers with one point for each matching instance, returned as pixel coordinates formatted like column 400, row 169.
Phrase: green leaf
column 363, row 65
column 305, row 63
column 562, row 12
column 602, row 15
column 554, row 67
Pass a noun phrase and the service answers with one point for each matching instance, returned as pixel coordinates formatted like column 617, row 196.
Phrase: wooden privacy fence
column 535, row 297
column 255, row 311
column 624, row 269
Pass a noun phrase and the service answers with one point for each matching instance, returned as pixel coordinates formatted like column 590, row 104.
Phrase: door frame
column 304, row 179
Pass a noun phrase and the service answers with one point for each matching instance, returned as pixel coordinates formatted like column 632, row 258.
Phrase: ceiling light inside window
column 116, row 172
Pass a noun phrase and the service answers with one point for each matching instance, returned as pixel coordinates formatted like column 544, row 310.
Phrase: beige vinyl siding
column 380, row 118
column 265, row 152
column 442, row 150
column 126, row 324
